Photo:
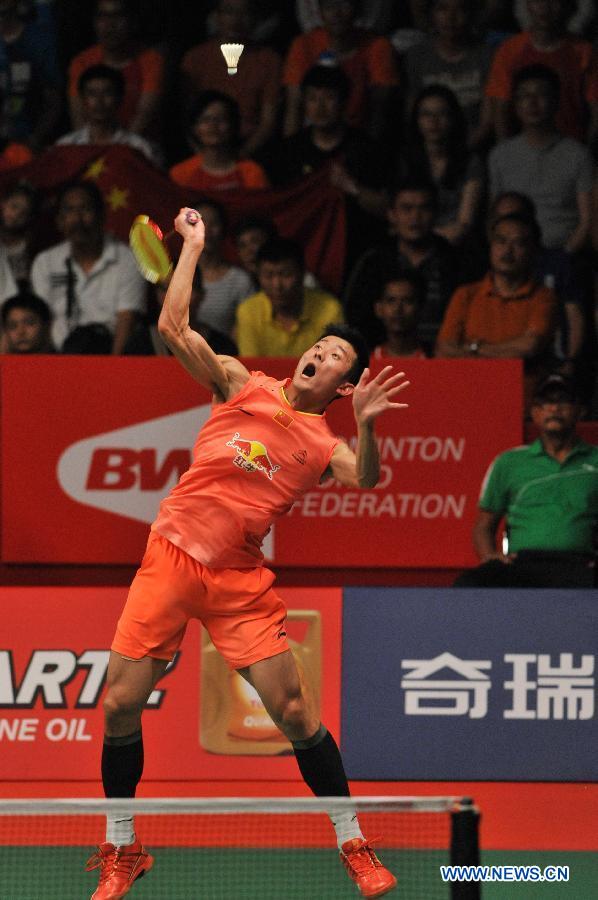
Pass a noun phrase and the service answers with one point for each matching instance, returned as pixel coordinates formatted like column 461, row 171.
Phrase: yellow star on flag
column 96, row 168
column 118, row 198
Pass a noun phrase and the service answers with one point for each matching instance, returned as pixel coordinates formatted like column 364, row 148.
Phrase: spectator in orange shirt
column 142, row 68
column 548, row 43
column 256, row 89
column 215, row 131
column 367, row 60
column 507, row 314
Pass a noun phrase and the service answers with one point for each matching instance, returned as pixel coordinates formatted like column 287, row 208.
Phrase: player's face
column 282, row 281
column 398, row 307
column 413, row 215
column 323, row 107
column 25, row 332
column 534, row 103
column 433, row 119
column 511, row 250
column 111, row 23
column 322, row 370
column 213, row 127
column 555, row 415
column 100, row 101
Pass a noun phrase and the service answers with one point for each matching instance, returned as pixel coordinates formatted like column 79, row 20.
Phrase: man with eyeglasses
column 548, row 493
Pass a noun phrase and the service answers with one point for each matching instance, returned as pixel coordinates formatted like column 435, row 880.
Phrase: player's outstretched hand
column 190, row 226
column 373, row 397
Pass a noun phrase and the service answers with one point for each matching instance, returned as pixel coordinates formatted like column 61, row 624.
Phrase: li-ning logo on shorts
column 251, row 456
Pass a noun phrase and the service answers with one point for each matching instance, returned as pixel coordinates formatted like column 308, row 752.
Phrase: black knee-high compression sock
column 320, row 763
column 122, row 764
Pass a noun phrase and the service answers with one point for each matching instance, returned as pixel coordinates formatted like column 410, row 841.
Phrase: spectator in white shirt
column 101, row 92
column 90, row 279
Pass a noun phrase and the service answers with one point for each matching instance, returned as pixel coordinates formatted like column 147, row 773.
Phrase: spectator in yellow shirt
column 284, row 318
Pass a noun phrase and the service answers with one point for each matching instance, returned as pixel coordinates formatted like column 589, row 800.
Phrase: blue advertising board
column 448, row 684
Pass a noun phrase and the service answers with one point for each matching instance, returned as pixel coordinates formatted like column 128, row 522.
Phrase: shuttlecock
column 231, row 53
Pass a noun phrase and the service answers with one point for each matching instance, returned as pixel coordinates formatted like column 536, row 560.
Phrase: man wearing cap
column 548, row 493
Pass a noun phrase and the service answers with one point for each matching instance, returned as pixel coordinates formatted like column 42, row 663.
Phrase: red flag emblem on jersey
column 283, row 418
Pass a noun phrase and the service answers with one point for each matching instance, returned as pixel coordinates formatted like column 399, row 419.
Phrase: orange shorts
column 244, row 617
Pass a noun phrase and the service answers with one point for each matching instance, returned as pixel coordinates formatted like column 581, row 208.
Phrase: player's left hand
column 373, row 397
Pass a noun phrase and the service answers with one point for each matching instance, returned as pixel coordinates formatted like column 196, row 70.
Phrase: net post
column 465, row 847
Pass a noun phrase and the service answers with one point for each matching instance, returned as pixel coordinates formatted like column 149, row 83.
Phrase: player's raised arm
column 370, row 399
column 223, row 375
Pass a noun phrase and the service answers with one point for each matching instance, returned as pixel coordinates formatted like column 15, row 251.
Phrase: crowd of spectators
column 461, row 137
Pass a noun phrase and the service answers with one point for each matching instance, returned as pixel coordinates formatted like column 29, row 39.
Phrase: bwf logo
column 128, row 471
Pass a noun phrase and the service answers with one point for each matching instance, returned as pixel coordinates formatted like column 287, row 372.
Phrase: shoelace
column 363, row 858
column 111, row 862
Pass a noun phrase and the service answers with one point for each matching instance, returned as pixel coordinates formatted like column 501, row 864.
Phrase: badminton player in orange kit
column 265, row 444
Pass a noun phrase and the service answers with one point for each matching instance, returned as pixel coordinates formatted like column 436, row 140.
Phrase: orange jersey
column 254, row 457
column 246, row 174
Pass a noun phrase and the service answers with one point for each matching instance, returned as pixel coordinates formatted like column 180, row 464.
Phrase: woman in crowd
column 215, row 133
column 437, row 152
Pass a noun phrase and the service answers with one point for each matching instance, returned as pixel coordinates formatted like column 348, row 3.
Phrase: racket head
column 147, row 243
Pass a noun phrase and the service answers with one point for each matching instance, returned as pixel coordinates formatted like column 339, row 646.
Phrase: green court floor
column 47, row 873
column 33, row 873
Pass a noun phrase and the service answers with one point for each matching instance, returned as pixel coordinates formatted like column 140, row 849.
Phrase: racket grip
column 192, row 217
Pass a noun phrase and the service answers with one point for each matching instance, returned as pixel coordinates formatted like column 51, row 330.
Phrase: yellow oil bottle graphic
column 233, row 720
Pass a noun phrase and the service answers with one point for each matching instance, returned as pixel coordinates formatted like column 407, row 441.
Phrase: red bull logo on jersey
column 251, row 456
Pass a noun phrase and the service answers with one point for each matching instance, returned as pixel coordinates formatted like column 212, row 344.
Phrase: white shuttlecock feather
column 231, row 53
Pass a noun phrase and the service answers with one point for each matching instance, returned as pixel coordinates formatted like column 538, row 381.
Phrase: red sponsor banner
column 199, row 724
column 90, row 446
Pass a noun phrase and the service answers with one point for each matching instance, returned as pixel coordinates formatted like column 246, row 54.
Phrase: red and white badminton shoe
column 365, row 869
column 119, row 868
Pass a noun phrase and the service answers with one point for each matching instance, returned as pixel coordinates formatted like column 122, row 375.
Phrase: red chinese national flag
column 311, row 212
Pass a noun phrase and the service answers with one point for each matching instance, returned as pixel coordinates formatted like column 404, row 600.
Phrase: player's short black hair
column 29, row 301
column 280, row 250
column 250, row 223
column 354, row 337
column 331, row 78
column 102, row 73
column 89, row 188
column 205, row 99
column 529, row 223
column 538, row 72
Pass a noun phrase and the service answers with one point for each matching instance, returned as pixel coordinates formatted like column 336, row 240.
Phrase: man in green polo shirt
column 548, row 493
column 284, row 318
